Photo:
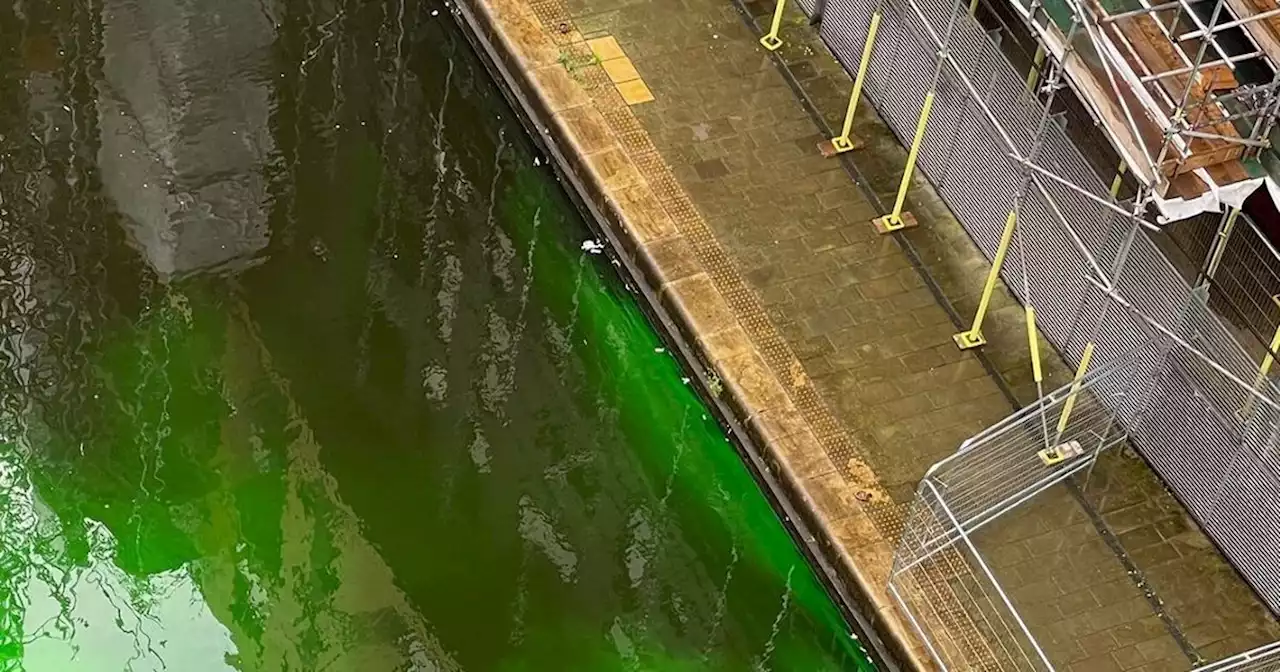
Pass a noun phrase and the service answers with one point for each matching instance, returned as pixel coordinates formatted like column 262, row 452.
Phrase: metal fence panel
column 973, row 176
column 1246, row 522
column 844, row 30
column 1182, row 453
column 1185, row 416
column 1056, row 272
column 944, row 122
column 939, row 576
column 902, row 89
column 1090, row 220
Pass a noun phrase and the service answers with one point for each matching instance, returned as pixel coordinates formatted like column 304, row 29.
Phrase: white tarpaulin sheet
column 1233, row 196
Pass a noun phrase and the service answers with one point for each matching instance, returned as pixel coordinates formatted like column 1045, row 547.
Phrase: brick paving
column 875, row 339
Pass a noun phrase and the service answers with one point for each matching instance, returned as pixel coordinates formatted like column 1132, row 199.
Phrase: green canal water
column 304, row 368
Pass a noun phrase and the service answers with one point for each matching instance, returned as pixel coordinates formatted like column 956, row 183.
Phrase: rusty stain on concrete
column 589, row 129
column 643, row 212
column 558, row 87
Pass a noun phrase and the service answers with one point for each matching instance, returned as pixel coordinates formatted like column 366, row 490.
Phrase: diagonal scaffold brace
column 972, row 337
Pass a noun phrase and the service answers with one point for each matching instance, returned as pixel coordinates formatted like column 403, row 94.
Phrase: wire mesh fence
column 940, row 576
column 1204, row 445
column 958, row 608
column 1245, row 281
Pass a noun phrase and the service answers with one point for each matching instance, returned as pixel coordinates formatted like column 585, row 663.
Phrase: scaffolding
column 941, row 578
column 1173, row 357
column 1185, row 89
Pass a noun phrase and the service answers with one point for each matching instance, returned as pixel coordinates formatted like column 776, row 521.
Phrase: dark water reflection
column 303, row 369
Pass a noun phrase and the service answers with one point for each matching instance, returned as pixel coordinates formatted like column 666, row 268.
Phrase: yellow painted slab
column 635, row 92
column 605, row 48
column 620, row 70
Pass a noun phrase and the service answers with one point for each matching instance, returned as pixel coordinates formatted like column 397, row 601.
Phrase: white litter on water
column 592, row 247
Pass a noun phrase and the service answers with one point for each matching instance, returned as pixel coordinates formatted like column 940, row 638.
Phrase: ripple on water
column 435, row 382
column 479, row 451
column 498, row 381
column 501, row 254
column 641, row 548
column 537, row 529
column 447, row 297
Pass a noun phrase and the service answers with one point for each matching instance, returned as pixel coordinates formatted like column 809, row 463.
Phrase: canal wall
column 706, row 308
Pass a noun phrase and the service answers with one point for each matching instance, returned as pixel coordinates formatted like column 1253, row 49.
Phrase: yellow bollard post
column 846, row 141
column 1263, row 371
column 771, row 41
column 1036, row 63
column 1033, row 341
column 1118, row 179
column 973, row 338
column 1075, row 389
column 898, row 220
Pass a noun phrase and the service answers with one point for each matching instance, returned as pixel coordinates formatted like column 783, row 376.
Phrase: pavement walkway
column 857, row 326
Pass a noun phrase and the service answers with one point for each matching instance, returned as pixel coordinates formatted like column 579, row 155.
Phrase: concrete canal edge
column 838, row 530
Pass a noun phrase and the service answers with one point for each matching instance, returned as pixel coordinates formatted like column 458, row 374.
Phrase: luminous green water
column 304, row 369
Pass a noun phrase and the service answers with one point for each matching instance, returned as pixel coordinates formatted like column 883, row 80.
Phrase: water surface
column 304, row 368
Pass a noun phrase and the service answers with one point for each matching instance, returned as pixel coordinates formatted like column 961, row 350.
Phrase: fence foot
column 890, row 223
column 771, row 42
column 834, row 146
column 1060, row 453
column 968, row 340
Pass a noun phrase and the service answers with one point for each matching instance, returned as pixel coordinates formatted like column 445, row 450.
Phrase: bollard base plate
column 887, row 225
column 834, row 146
column 968, row 340
column 771, row 42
